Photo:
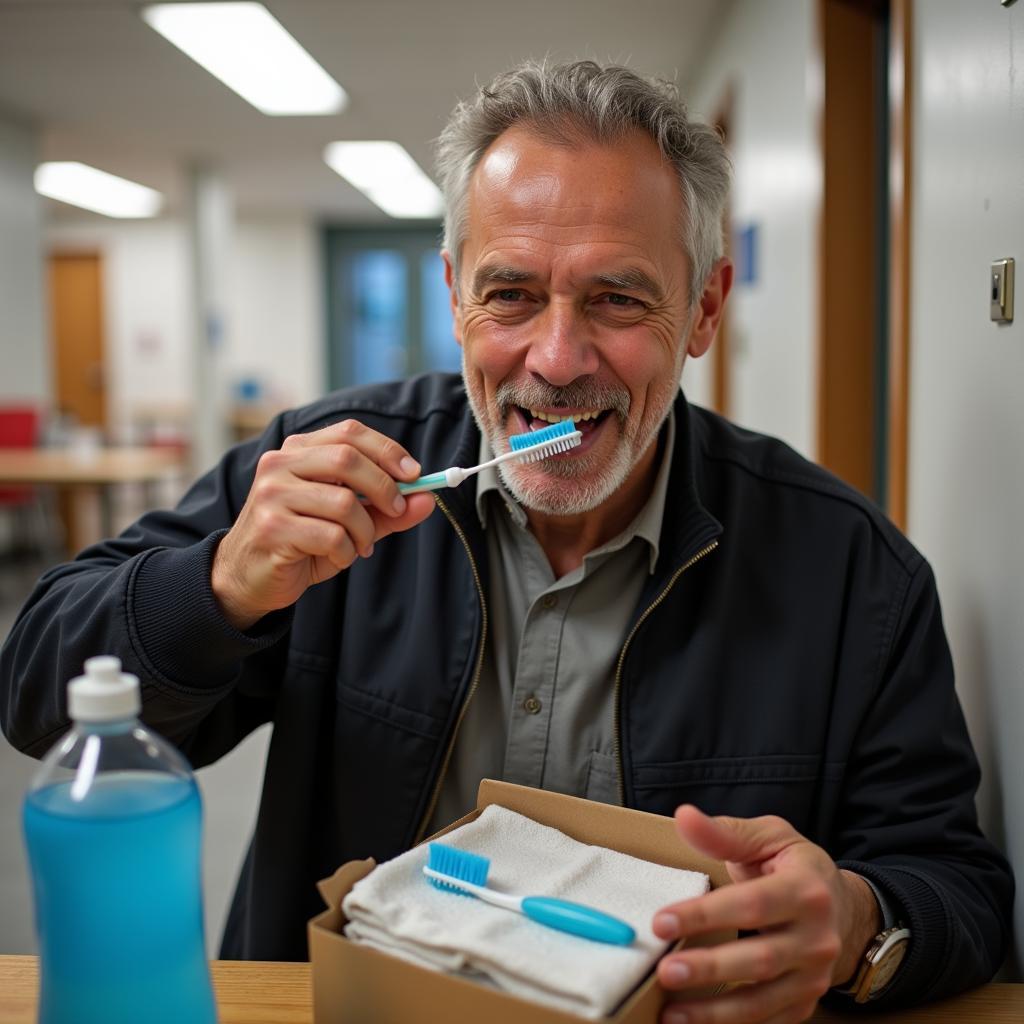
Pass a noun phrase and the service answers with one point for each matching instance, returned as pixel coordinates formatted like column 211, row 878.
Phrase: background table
column 270, row 993
column 84, row 474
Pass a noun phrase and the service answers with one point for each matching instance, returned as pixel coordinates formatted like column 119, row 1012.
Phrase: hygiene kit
column 407, row 939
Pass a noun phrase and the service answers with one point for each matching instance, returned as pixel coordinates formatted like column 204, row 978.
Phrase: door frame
column 848, row 387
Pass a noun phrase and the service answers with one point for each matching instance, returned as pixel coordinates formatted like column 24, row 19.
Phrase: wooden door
column 76, row 342
column 76, row 328
column 864, row 301
column 851, row 302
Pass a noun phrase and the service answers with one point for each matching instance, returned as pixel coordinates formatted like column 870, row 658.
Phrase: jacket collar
column 688, row 526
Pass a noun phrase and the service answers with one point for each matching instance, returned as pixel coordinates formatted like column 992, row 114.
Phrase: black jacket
column 786, row 657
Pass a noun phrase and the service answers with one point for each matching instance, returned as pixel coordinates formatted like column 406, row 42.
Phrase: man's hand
column 813, row 922
column 303, row 523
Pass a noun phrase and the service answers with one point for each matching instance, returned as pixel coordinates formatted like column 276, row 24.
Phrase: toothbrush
column 466, row 873
column 528, row 447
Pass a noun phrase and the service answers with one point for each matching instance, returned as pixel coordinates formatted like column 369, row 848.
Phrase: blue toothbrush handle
column 578, row 919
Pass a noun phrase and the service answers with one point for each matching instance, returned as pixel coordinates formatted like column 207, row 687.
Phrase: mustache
column 583, row 393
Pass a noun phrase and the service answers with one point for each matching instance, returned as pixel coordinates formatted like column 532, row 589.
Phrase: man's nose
column 562, row 348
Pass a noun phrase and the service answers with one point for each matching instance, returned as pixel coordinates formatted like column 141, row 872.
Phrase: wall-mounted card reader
column 1001, row 291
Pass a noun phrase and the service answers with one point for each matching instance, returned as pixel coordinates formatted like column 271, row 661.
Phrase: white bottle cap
column 104, row 693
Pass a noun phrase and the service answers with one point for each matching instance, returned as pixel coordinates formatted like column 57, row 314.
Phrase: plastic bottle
column 113, row 825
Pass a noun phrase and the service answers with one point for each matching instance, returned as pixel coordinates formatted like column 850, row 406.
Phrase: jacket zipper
column 421, row 832
column 622, row 658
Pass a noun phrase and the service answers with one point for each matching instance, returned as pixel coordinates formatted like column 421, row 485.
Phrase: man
column 677, row 612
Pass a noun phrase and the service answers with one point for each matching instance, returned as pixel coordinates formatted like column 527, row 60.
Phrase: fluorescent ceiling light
column 248, row 49
column 93, row 189
column 386, row 174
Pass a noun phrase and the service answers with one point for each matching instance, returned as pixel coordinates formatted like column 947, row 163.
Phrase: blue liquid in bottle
column 113, row 830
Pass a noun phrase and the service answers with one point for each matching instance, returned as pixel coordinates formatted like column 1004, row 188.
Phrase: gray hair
column 572, row 102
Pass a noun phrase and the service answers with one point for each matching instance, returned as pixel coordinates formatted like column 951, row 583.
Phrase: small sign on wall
column 745, row 255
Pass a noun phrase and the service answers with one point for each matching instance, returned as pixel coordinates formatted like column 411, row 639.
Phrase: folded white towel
column 395, row 908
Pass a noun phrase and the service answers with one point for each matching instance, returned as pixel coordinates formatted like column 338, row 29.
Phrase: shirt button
column 549, row 601
column 532, row 705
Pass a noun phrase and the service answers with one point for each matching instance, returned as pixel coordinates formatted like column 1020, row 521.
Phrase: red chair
column 34, row 528
column 19, row 428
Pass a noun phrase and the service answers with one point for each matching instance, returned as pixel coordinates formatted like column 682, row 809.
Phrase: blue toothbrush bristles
column 457, row 864
column 517, row 442
column 539, row 444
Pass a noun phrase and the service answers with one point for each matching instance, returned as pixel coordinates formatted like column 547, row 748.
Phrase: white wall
column 966, row 495
column 763, row 55
column 277, row 307
column 146, row 304
column 24, row 366
column 273, row 320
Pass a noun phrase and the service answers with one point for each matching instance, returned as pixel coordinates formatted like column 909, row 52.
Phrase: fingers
column 344, row 465
column 336, row 505
column 740, row 840
column 303, row 521
column 774, row 899
column 337, row 545
column 384, row 451
column 784, row 1000
column 755, row 958
column 785, row 889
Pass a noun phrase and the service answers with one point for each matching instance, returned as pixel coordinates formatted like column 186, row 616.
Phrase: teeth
column 552, row 418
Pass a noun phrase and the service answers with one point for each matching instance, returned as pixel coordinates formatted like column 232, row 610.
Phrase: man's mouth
column 588, row 421
column 585, row 419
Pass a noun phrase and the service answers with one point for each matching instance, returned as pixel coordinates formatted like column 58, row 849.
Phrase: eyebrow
column 631, row 279
column 499, row 275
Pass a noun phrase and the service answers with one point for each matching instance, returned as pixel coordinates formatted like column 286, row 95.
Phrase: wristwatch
column 879, row 964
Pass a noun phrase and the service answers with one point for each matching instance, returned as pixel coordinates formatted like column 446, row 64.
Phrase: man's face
column 572, row 300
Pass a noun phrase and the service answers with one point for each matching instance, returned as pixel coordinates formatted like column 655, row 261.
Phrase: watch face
column 889, row 959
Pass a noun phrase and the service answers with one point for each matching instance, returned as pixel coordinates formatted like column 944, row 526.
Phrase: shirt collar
column 647, row 524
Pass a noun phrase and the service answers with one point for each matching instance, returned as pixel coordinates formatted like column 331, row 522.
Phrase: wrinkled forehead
column 575, row 191
column 544, row 173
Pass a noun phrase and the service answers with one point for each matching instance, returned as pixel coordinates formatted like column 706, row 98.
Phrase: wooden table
column 268, row 993
column 86, row 474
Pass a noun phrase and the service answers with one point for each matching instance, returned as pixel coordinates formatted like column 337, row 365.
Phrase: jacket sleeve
column 146, row 598
column 909, row 822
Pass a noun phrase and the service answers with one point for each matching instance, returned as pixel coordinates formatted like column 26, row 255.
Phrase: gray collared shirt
column 543, row 711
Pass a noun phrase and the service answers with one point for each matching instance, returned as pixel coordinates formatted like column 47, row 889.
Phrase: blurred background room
column 251, row 258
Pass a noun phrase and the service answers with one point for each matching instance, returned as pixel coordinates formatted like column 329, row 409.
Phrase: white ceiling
column 105, row 89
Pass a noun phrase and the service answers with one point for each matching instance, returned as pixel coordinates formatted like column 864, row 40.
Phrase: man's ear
column 709, row 310
column 453, row 294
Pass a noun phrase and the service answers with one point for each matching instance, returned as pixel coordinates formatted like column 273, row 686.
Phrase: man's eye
column 509, row 295
column 622, row 300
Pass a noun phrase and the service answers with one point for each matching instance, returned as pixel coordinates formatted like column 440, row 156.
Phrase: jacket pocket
column 788, row 785
column 389, row 713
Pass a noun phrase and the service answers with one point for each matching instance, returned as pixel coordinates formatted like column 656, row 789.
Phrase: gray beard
column 592, row 478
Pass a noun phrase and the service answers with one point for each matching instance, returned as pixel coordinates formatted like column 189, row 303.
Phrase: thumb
column 417, row 508
column 738, row 840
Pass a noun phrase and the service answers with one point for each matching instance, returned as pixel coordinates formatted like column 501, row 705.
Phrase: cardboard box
column 355, row 984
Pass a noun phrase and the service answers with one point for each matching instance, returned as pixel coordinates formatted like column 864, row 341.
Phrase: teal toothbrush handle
column 578, row 919
column 432, row 482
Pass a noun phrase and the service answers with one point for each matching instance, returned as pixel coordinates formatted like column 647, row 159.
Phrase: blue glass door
column 388, row 307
